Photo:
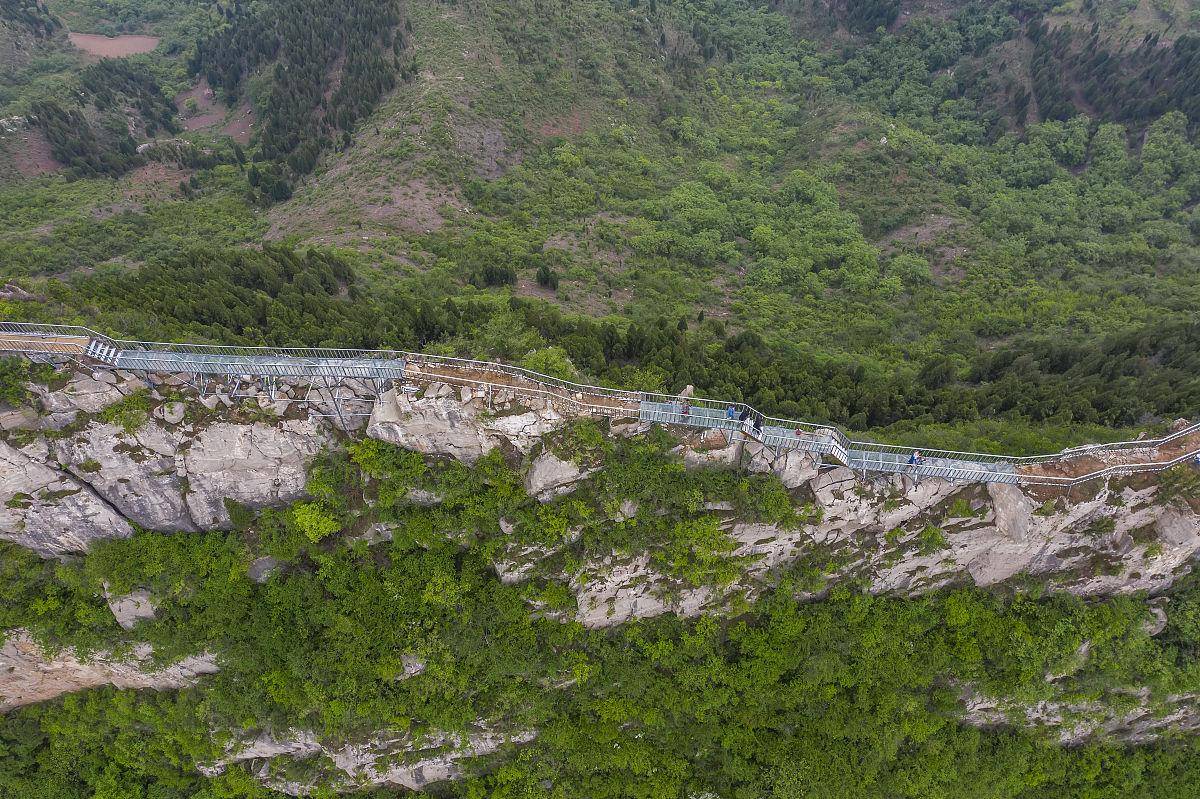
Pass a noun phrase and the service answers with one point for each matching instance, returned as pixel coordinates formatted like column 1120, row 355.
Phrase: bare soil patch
column 924, row 235
column 241, row 125
column 113, row 46
column 487, row 148
column 415, row 207
column 156, row 176
column 571, row 124
column 31, row 153
column 209, row 112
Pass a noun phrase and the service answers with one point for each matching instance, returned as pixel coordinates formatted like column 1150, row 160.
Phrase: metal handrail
column 577, row 394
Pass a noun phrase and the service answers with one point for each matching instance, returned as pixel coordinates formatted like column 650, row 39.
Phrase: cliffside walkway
column 58, row 343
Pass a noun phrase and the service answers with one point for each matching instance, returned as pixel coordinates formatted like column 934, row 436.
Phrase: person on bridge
column 687, row 411
column 758, row 420
column 731, row 413
column 915, row 459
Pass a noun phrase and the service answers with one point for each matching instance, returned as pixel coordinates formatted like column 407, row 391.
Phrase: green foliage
column 698, row 551
column 552, row 361
column 130, row 413
column 92, row 137
column 313, row 86
column 931, row 539
column 581, row 441
column 14, row 374
column 1179, row 483
column 314, row 521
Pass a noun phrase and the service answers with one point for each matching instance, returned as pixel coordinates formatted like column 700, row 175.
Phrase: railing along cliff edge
column 58, row 342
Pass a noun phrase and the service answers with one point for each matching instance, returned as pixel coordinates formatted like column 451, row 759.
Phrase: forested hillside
column 964, row 224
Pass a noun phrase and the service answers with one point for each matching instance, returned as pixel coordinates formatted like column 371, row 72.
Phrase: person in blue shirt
column 731, row 412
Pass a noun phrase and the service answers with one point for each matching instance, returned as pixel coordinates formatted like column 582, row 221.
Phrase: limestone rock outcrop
column 48, row 510
column 129, row 609
column 550, row 476
column 28, row 674
column 84, row 392
column 258, row 465
column 135, row 472
column 440, row 423
column 391, row 761
column 1076, row 723
column 617, row 590
column 910, row 537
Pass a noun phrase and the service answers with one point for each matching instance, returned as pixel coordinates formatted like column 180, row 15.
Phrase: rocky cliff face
column 74, row 478
column 461, row 424
column 69, row 477
column 28, row 674
column 384, row 760
column 908, row 538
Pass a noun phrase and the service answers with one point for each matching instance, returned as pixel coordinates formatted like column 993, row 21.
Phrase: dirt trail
column 69, row 345
column 113, row 46
column 465, row 375
column 1102, row 459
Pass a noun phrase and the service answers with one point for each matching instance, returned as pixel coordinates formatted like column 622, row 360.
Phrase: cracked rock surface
column 48, row 510
column 383, row 760
column 440, row 423
column 257, row 465
column 28, row 674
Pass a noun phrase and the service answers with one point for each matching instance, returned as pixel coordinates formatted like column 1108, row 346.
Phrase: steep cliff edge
column 71, row 476
column 77, row 471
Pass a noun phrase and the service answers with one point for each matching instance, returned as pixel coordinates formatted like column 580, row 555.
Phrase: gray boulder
column 131, row 608
column 257, row 465
column 550, row 476
column 136, row 473
column 47, row 510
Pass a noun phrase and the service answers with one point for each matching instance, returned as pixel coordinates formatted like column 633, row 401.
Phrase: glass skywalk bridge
column 782, row 436
column 247, row 361
column 376, row 369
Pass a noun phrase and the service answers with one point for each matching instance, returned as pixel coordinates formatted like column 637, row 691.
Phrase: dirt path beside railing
column 1091, row 462
column 65, row 345
column 471, row 376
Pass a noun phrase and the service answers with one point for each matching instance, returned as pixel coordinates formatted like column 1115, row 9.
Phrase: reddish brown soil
column 570, row 125
column 415, row 207
column 113, row 46
column 208, row 111
column 487, row 148
column 242, row 125
column 157, row 178
column 32, row 155
column 1086, row 464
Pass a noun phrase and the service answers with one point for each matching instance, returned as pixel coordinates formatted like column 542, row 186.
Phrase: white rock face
column 440, row 424
column 82, row 393
column 131, row 608
column 258, row 465
column 714, row 450
column 135, row 473
column 390, row 761
column 550, row 476
column 631, row 589
column 50, row 511
column 878, row 530
column 28, row 675
column 1075, row 723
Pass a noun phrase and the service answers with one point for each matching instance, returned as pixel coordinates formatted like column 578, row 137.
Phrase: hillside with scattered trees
column 971, row 225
